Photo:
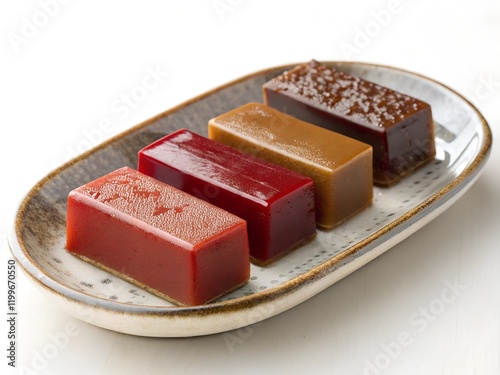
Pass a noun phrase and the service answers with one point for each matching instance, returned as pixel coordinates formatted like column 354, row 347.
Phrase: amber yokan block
column 341, row 167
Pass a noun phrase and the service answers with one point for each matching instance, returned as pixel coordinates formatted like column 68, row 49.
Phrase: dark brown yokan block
column 398, row 127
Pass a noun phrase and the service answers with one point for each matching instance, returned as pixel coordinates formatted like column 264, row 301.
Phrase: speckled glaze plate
column 463, row 141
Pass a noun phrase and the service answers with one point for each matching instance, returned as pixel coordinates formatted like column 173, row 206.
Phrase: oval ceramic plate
column 463, row 141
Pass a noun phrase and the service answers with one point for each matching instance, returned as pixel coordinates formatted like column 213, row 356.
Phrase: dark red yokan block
column 277, row 203
column 164, row 240
column 398, row 127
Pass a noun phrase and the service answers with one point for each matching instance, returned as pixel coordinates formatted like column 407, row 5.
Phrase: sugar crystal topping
column 347, row 95
column 159, row 205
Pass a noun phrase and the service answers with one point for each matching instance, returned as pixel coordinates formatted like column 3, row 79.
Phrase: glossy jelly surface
column 340, row 167
column 277, row 203
column 158, row 237
column 398, row 126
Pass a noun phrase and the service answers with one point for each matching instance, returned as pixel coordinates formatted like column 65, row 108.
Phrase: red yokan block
column 157, row 237
column 277, row 203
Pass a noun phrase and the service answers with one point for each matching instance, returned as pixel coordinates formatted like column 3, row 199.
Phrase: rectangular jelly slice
column 399, row 127
column 340, row 167
column 277, row 203
column 159, row 238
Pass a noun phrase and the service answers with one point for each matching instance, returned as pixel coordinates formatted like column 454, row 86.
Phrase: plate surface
column 463, row 141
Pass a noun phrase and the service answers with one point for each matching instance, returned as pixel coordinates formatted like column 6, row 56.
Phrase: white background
column 61, row 79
